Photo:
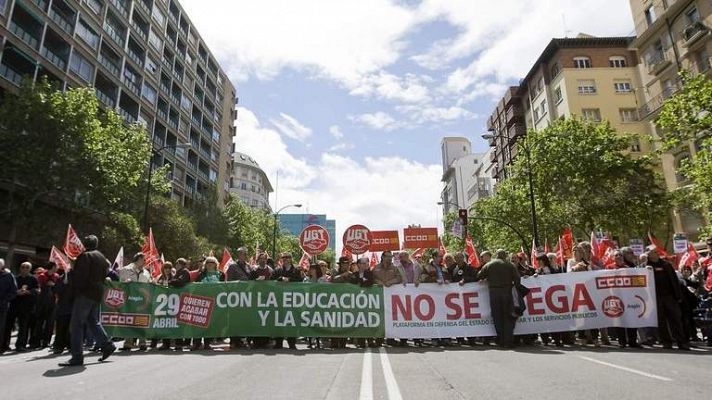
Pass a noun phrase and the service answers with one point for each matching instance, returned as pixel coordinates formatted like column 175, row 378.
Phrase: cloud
column 341, row 147
column 436, row 114
column 290, row 127
column 408, row 89
column 379, row 120
column 335, row 131
column 326, row 184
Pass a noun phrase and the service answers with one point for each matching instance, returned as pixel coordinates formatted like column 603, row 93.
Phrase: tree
column 583, row 178
column 686, row 117
column 60, row 152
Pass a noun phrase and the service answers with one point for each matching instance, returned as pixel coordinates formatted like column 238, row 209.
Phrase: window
column 591, row 114
column 692, row 15
column 587, row 86
column 243, row 186
column 95, row 5
column 628, row 114
column 635, row 145
column 542, row 107
column 555, row 70
column 582, row 62
column 650, row 15
column 617, row 62
column 151, row 65
column 149, row 93
column 87, row 34
column 80, row 66
column 622, row 87
column 154, row 40
column 536, row 114
column 558, row 97
column 213, row 175
column 158, row 15
column 680, row 161
column 185, row 102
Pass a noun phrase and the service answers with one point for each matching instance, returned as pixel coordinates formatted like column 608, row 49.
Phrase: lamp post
column 274, row 232
column 150, row 175
column 530, row 177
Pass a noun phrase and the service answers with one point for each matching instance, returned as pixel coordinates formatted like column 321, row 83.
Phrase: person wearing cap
column 22, row 307
column 87, row 282
column 668, row 294
column 8, row 292
column 501, row 277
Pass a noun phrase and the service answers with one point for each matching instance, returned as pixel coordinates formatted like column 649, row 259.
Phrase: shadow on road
column 64, row 371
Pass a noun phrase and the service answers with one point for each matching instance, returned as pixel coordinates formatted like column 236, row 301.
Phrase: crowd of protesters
column 52, row 308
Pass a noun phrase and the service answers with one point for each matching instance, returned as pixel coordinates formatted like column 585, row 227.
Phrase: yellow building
column 672, row 35
column 592, row 77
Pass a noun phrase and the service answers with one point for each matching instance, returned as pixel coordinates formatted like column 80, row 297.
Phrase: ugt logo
column 613, row 306
column 115, row 298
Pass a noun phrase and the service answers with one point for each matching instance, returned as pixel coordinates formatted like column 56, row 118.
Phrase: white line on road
column 391, row 384
column 366, row 392
column 631, row 370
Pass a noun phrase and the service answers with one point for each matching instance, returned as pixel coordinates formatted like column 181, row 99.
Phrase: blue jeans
column 85, row 312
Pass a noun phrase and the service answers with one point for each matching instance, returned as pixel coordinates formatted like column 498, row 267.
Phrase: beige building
column 672, row 35
column 595, row 78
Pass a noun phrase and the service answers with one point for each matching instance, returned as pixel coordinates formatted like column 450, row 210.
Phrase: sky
column 347, row 101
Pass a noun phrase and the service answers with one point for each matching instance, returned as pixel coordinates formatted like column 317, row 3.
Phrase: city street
column 386, row 373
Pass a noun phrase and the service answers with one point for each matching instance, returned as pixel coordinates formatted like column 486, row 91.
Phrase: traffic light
column 462, row 215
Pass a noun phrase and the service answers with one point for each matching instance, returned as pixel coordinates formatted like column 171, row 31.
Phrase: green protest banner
column 270, row 309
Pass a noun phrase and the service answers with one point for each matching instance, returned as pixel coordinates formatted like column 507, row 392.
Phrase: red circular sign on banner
column 357, row 239
column 314, row 239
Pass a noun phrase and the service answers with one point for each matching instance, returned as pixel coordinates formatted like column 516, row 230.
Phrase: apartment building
column 464, row 176
column 672, row 35
column 592, row 77
column 250, row 183
column 146, row 61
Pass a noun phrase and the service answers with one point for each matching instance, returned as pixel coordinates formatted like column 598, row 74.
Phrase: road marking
column 391, row 384
column 631, row 370
column 366, row 392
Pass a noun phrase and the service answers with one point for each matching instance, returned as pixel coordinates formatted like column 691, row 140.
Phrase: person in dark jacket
column 287, row 273
column 44, row 316
column 180, row 279
column 87, row 282
column 22, row 307
column 668, row 294
column 63, row 313
column 501, row 277
column 8, row 292
column 462, row 272
column 364, row 278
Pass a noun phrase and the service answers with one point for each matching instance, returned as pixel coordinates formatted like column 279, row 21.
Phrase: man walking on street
column 87, row 285
column 8, row 291
column 22, row 307
column 668, row 294
column 501, row 277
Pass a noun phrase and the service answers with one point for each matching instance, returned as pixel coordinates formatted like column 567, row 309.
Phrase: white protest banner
column 557, row 303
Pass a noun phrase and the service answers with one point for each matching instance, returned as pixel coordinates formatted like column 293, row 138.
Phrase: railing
column 137, row 30
column 41, row 4
column 10, row 74
column 114, row 34
column 108, row 64
column 162, row 114
column 165, row 88
column 61, row 21
column 23, row 35
column 173, row 123
column 143, row 7
column 177, row 75
column 166, row 63
column 105, row 99
column 120, row 7
column 127, row 116
column 657, row 61
column 133, row 87
column 135, row 57
column 657, row 102
column 53, row 58
column 694, row 31
column 193, row 165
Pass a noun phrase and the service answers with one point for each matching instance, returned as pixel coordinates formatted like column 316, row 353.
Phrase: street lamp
column 527, row 152
column 274, row 232
column 150, row 175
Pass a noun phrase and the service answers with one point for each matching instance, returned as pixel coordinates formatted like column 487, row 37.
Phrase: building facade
column 464, row 176
column 147, row 62
column 295, row 223
column 672, row 35
column 249, row 182
column 590, row 77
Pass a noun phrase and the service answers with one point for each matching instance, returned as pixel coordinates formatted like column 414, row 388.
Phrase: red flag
column 658, row 247
column 304, row 262
column 534, row 261
column 708, row 282
column 595, row 249
column 226, row 260
column 689, row 257
column 58, row 258
column 547, row 249
column 442, row 250
column 560, row 258
column 193, row 275
column 73, row 246
column 472, row 257
column 374, row 260
column 567, row 243
column 150, row 253
column 346, row 253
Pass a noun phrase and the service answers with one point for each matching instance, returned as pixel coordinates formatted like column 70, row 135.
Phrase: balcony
column 514, row 114
column 114, row 34
column 133, row 87
column 139, row 32
column 108, row 64
column 126, row 115
column 120, row 7
column 61, row 21
column 657, row 102
column 166, row 63
column 135, row 57
column 53, row 58
column 143, row 7
column 24, row 35
column 163, row 114
column 42, row 4
column 105, row 99
column 694, row 32
column 516, row 131
column 658, row 61
column 10, row 74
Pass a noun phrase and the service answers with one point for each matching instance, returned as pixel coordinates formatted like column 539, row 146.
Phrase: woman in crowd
column 164, row 280
column 208, row 274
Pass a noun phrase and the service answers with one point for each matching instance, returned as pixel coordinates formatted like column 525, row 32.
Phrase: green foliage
column 687, row 116
column 582, row 178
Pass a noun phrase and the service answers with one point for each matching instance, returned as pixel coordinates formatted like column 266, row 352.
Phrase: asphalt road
column 477, row 372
